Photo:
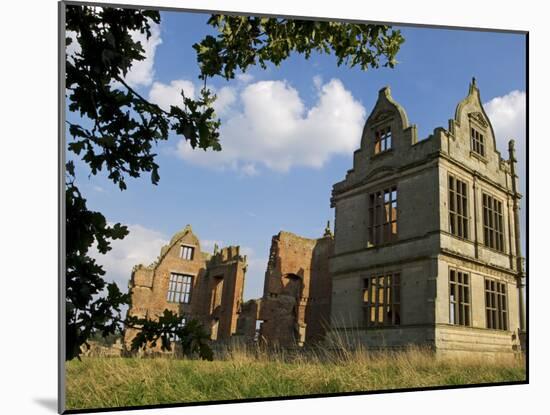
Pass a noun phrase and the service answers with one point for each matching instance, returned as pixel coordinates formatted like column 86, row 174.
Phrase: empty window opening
column 382, row 140
column 459, row 297
column 383, row 216
column 493, row 232
column 496, row 309
column 382, row 300
column 477, row 141
column 258, row 332
column 217, row 292
column 187, row 252
column 458, row 207
column 179, row 288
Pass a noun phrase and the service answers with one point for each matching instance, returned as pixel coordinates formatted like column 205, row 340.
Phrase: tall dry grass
column 241, row 371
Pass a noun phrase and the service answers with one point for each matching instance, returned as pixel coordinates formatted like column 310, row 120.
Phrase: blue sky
column 289, row 133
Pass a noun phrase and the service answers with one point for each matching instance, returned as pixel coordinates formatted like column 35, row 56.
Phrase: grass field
column 108, row 382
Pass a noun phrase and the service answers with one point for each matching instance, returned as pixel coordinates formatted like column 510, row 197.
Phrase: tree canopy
column 116, row 130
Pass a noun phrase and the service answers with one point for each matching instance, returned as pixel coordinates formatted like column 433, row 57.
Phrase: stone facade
column 426, row 245
column 191, row 283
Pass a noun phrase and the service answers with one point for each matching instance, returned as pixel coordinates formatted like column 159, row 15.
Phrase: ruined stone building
column 426, row 251
column 295, row 306
column 294, row 309
column 427, row 244
column 191, row 283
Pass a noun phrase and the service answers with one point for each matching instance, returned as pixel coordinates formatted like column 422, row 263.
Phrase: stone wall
column 295, row 307
column 216, row 288
column 425, row 248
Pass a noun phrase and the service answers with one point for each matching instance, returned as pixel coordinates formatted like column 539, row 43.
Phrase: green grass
column 108, row 382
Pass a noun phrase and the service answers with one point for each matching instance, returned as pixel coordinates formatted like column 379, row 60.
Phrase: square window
column 477, row 142
column 187, row 252
column 496, row 312
column 458, row 208
column 382, row 227
column 179, row 288
column 382, row 140
column 493, row 230
column 382, row 300
column 459, row 298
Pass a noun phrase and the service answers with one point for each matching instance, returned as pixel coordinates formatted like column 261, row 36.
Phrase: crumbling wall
column 224, row 284
column 215, row 290
column 297, row 290
column 95, row 349
column 294, row 307
column 317, row 312
column 249, row 314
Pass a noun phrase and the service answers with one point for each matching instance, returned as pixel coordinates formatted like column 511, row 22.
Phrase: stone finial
column 328, row 232
column 473, row 86
column 385, row 91
column 512, row 150
column 216, row 249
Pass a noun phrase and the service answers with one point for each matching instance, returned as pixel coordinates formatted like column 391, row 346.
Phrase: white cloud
column 249, row 169
column 166, row 95
column 274, row 129
column 140, row 246
column 318, row 81
column 245, row 78
column 508, row 117
column 142, row 72
column 225, row 98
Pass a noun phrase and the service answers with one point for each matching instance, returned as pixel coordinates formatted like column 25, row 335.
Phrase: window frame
column 179, row 291
column 187, row 248
column 493, row 222
column 383, row 225
column 496, row 304
column 383, row 139
column 458, row 307
column 376, row 312
column 458, row 217
column 477, row 141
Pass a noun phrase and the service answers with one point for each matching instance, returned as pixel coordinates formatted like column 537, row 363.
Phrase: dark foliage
column 167, row 328
column 247, row 40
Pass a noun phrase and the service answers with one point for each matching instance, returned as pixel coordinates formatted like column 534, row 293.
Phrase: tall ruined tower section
column 295, row 306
